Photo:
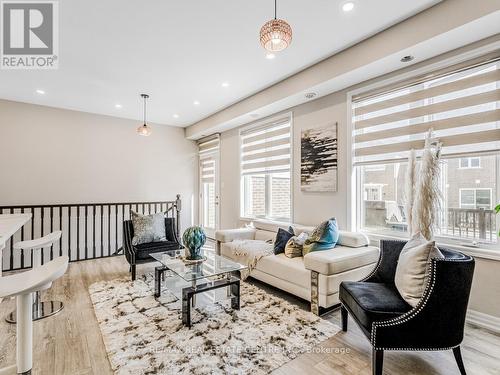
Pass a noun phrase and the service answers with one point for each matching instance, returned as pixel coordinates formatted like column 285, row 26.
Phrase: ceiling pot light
column 144, row 129
column 118, row 105
column 41, row 92
column 175, row 115
column 225, row 84
column 407, row 58
column 347, row 7
column 270, row 56
column 196, row 102
column 276, row 34
column 310, row 95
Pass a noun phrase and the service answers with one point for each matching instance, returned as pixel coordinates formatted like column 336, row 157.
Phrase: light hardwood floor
column 70, row 342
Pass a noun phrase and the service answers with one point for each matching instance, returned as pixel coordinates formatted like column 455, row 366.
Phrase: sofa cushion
column 295, row 245
column 371, row 302
column 143, row 250
column 282, row 267
column 324, row 237
column 281, row 240
column 340, row 259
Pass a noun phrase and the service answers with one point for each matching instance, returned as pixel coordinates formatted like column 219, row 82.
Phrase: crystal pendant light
column 276, row 34
column 144, row 129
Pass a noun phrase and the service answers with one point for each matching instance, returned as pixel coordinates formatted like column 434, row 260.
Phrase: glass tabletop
column 213, row 266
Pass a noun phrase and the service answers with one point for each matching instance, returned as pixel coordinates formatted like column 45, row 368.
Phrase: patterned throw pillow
column 293, row 248
column 148, row 228
column 282, row 238
column 324, row 237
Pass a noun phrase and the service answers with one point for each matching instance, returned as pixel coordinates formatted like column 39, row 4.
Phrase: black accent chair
column 436, row 323
column 139, row 254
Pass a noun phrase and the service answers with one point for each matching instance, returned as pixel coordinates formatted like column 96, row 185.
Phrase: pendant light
column 144, row 129
column 276, row 34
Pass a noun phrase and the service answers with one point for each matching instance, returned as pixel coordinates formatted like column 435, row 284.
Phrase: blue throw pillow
column 324, row 237
column 282, row 238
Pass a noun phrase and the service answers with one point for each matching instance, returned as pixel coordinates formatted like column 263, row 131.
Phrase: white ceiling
column 182, row 51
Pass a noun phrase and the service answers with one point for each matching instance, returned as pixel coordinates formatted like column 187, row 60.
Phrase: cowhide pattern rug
column 144, row 335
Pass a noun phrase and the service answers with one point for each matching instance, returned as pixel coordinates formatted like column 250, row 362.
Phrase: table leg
column 235, row 296
column 228, row 289
column 186, row 307
column 193, row 284
column 159, row 275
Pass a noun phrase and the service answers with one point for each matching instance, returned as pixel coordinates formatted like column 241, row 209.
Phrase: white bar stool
column 22, row 285
column 41, row 309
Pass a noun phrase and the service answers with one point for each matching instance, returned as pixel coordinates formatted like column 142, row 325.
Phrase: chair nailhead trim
column 415, row 311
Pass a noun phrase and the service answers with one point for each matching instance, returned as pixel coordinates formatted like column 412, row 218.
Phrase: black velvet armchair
column 139, row 254
column 436, row 323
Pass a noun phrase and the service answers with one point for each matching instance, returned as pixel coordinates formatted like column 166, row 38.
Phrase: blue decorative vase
column 194, row 238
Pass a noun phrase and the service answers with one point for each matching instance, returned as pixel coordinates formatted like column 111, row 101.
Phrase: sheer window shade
column 207, row 160
column 461, row 107
column 266, row 148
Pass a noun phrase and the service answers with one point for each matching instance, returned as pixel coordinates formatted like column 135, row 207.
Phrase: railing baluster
column 51, row 230
column 93, row 230
column 42, row 217
column 109, row 229
column 69, row 232
column 60, row 228
column 86, row 233
column 116, row 227
column 77, row 232
column 102, row 248
column 11, row 260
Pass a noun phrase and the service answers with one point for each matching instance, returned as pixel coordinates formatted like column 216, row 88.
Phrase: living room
column 250, row 187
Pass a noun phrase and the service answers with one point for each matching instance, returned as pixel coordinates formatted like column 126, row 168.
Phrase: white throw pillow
column 413, row 269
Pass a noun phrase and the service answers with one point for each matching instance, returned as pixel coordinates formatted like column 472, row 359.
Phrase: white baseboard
column 489, row 322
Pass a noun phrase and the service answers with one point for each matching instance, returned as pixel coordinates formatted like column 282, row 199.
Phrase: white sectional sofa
column 315, row 277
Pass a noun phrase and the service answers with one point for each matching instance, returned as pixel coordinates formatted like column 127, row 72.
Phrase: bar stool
column 41, row 309
column 22, row 285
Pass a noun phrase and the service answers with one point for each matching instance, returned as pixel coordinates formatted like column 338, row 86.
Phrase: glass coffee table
column 214, row 273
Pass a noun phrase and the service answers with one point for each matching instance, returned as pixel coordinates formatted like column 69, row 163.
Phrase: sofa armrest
column 228, row 235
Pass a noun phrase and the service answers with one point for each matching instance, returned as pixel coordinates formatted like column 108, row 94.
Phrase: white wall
column 50, row 155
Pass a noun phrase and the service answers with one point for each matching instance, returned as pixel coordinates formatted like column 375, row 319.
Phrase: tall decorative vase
column 194, row 238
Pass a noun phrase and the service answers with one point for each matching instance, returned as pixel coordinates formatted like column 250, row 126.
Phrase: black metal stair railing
column 89, row 230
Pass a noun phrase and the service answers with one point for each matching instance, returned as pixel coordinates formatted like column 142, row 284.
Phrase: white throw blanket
column 249, row 252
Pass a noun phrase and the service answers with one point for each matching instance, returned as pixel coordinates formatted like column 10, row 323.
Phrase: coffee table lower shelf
column 230, row 282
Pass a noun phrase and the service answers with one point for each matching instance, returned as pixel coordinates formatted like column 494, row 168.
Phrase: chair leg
column 133, row 271
column 458, row 358
column 377, row 361
column 344, row 315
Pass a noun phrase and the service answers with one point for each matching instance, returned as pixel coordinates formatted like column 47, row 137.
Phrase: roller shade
column 266, row 148
column 209, row 144
column 207, row 147
column 462, row 107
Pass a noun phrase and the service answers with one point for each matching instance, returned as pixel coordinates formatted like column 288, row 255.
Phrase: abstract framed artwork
column 318, row 159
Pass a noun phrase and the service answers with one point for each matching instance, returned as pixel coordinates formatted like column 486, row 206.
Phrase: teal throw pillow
column 324, row 237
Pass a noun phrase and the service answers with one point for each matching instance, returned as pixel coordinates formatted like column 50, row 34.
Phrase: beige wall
column 50, row 155
column 311, row 208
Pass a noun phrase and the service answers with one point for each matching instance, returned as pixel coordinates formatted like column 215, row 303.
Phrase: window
column 470, row 162
column 265, row 171
column 475, row 198
column 462, row 108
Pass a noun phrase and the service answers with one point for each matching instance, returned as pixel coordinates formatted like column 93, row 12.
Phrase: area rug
column 143, row 335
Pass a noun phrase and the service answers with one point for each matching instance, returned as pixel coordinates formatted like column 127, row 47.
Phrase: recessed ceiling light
column 225, row 84
column 310, row 95
column 175, row 115
column 407, row 58
column 41, row 92
column 270, row 56
column 347, row 7
column 118, row 105
column 196, row 102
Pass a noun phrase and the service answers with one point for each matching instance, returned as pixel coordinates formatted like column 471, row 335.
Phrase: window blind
column 266, row 148
column 207, row 147
column 461, row 107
